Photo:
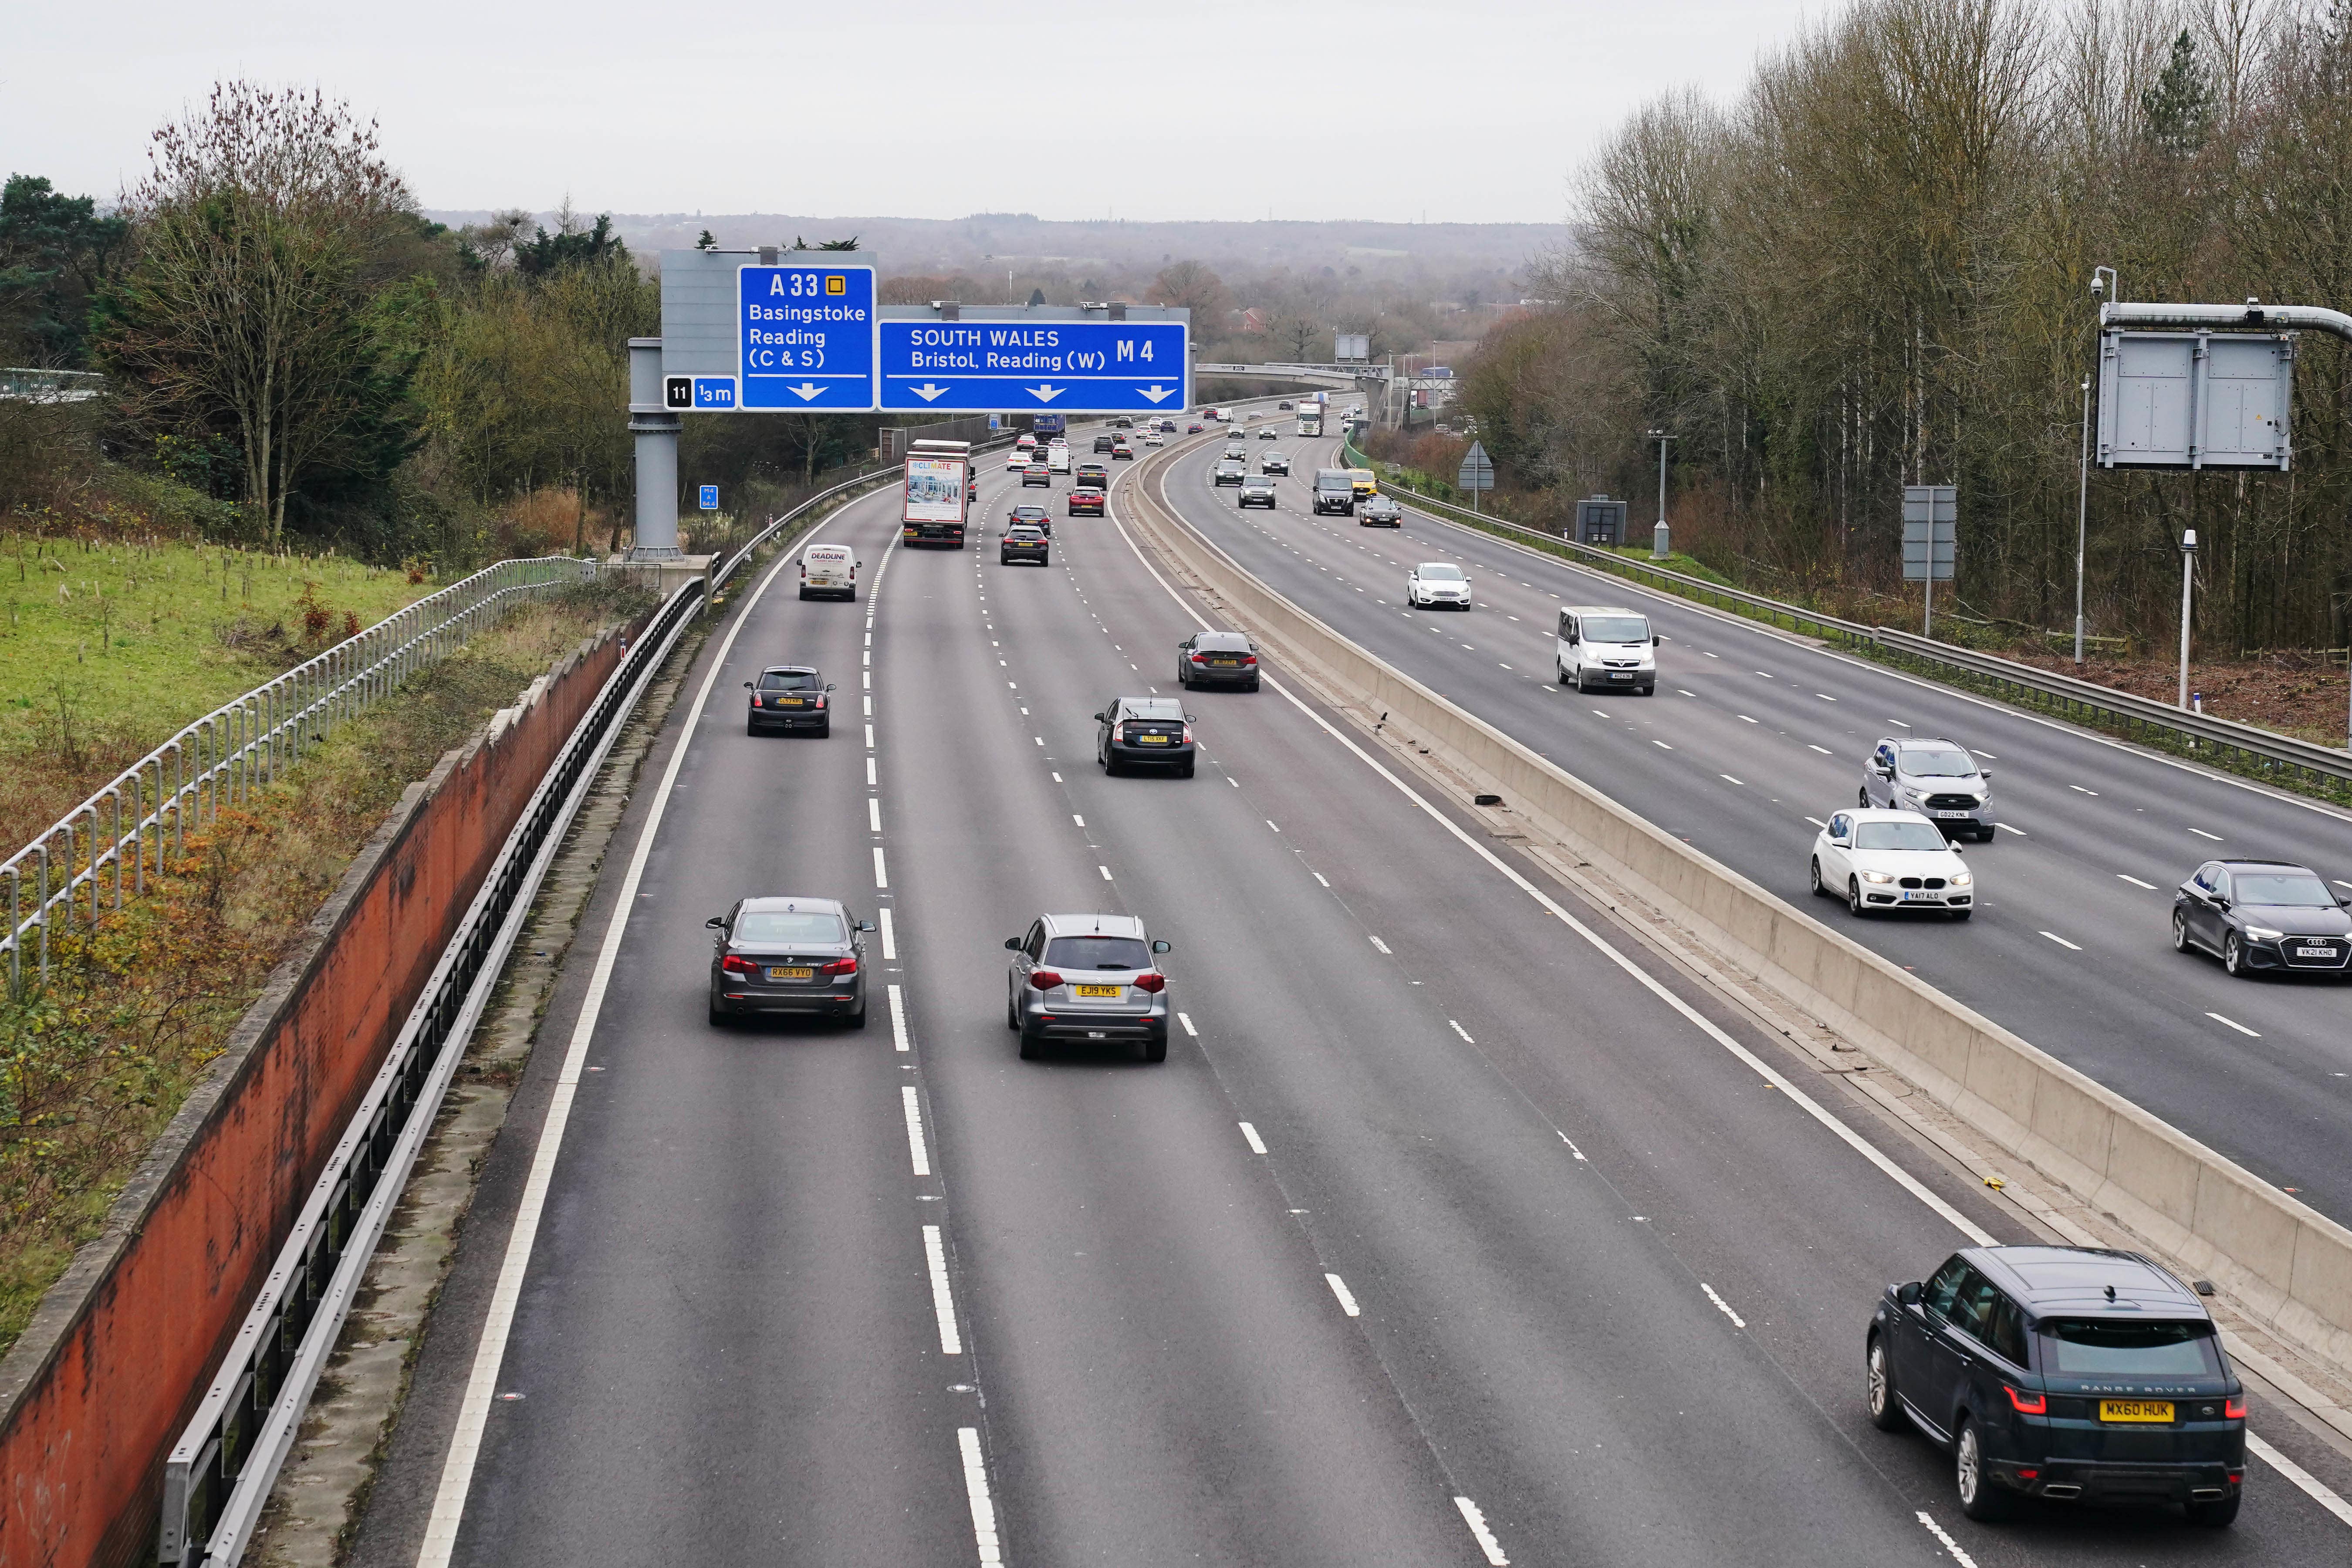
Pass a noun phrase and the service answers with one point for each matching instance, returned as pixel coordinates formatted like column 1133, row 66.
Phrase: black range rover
column 2064, row 1373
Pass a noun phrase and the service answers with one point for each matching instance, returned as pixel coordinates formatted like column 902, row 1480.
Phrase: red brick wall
column 112, row 1365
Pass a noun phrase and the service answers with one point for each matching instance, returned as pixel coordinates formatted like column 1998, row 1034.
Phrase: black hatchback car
column 2062, row 1373
column 2262, row 914
column 1217, row 659
column 789, row 955
column 1152, row 731
column 788, row 697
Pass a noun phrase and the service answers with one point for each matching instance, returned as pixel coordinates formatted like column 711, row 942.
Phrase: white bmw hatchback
column 1891, row 860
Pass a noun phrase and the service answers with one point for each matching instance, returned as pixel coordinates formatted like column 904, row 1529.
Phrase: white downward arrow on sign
column 926, row 392
column 806, row 391
column 1045, row 393
column 1157, row 392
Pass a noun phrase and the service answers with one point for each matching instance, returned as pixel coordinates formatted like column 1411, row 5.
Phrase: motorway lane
column 1753, row 738
column 700, row 1376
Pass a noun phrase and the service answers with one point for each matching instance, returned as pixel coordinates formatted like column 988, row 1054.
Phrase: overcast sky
column 1460, row 111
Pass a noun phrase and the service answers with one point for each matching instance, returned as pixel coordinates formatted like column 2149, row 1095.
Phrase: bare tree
column 241, row 312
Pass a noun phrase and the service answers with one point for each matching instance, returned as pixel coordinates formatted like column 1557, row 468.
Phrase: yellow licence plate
column 1152, row 740
column 1105, row 991
column 797, row 972
column 791, row 701
column 2135, row 1410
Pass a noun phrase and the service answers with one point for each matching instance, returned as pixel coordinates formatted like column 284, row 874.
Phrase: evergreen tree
column 2179, row 107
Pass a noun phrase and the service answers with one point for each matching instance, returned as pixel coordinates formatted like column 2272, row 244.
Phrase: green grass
column 149, row 639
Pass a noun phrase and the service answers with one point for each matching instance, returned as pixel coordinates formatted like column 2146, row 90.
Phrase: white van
column 828, row 569
column 1057, row 459
column 1606, row 647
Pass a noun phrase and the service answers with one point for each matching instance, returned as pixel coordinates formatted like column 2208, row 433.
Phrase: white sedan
column 1437, row 583
column 1017, row 460
column 1891, row 860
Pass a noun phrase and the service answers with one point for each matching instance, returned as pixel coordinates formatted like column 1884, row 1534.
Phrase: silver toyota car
column 1087, row 979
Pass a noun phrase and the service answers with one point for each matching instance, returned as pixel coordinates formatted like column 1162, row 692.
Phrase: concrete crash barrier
column 121, row 1348
column 2284, row 1263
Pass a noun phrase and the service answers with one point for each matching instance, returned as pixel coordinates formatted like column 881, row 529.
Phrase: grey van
column 1335, row 490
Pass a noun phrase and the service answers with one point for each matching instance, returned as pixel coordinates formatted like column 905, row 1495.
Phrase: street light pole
column 2187, row 585
column 1661, row 540
column 2081, row 518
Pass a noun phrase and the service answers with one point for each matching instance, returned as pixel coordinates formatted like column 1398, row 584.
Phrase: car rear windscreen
column 2101, row 1347
column 1097, row 952
column 788, row 680
column 791, row 927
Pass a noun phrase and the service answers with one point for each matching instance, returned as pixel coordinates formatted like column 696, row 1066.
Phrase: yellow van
column 1365, row 482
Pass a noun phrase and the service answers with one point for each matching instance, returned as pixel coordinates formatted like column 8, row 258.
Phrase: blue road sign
column 710, row 498
column 1076, row 367
column 806, row 335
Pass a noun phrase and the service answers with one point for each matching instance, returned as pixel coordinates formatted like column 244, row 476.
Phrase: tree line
column 1873, row 269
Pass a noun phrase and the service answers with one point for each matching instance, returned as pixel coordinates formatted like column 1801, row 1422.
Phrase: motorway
column 1456, row 1227
column 1755, row 737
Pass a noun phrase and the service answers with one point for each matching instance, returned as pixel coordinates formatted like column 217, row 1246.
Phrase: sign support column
column 655, row 429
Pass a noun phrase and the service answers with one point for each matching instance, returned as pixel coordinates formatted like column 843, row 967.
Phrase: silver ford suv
column 1938, row 779
column 1087, row 979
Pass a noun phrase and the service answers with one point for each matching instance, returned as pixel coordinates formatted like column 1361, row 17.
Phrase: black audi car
column 788, row 697
column 789, row 954
column 2061, row 1373
column 2262, row 914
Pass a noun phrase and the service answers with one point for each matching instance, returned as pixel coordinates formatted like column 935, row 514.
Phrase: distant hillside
column 1484, row 260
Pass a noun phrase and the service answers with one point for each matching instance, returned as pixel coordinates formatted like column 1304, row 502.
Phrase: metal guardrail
column 219, row 1474
column 2243, row 747
column 218, row 762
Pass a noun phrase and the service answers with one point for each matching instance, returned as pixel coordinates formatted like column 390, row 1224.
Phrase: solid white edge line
column 1249, row 1136
column 889, row 934
column 975, row 1488
column 935, row 1254
column 1958, row 1554
column 898, row 1018
column 912, row 1104
column 1477, row 1523
column 1347, row 1297
column 2311, row 1485
column 489, row 1354
column 1819, row 1112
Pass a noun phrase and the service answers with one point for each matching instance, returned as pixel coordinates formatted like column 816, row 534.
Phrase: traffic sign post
column 1477, row 473
column 805, row 336
column 1035, row 362
column 1930, row 542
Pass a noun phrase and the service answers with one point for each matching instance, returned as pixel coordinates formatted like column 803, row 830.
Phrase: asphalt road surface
column 1456, row 1228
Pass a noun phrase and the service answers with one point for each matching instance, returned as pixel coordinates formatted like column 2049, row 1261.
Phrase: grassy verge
column 92, row 1067
column 108, row 646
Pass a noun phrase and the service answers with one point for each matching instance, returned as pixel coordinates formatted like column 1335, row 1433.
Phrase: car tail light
column 1200, row 658
column 2234, row 1408
column 2026, row 1403
column 2028, row 1474
column 840, row 968
column 820, row 701
column 1188, row 735
column 1151, row 982
column 755, row 700
column 731, row 964
column 1044, row 979
column 1249, row 658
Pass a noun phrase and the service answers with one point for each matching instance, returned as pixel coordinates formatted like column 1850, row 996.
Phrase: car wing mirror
column 1908, row 1293
column 1984, row 772
column 716, row 922
column 1658, row 642
column 1189, row 719
column 1012, row 945
column 864, row 925
column 2220, row 900
column 828, row 686
column 746, row 686
column 1159, row 947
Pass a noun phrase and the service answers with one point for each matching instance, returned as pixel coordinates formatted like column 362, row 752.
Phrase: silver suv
column 1937, row 778
column 1087, row 978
